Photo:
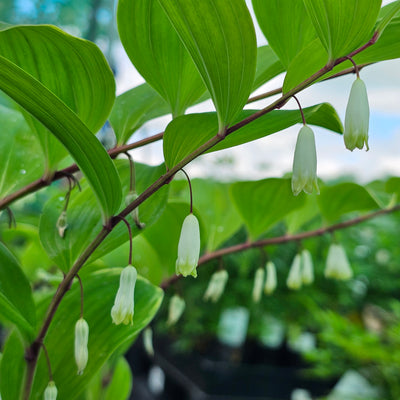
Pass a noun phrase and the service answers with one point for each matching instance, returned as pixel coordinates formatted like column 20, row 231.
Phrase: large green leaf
column 12, row 367
column 335, row 201
column 220, row 218
column 84, row 221
column 314, row 56
column 105, row 338
column 268, row 66
column 133, row 108
column 21, row 161
column 343, row 25
column 73, row 69
column 16, row 303
column 386, row 14
column 87, row 151
column 286, row 25
column 262, row 204
column 158, row 54
column 185, row 134
column 220, row 37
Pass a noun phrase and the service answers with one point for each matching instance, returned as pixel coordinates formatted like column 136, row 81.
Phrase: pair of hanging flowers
column 355, row 135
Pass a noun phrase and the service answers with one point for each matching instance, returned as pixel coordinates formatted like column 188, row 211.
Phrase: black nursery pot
column 219, row 372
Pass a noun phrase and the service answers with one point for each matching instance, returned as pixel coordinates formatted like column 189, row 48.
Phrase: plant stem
column 33, row 351
column 282, row 239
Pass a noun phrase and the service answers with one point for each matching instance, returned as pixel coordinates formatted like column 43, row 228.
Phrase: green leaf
column 303, row 215
column 84, row 221
column 16, row 304
column 386, row 14
column 186, row 133
column 219, row 217
column 156, row 51
column 104, row 337
column 221, row 39
column 12, row 367
column 73, row 69
column 343, row 25
column 286, row 25
column 268, row 66
column 87, row 151
column 314, row 57
column 121, row 383
column 21, row 161
column 135, row 107
column 264, row 203
column 335, row 201
column 310, row 60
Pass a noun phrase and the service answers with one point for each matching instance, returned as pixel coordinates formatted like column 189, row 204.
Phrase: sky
column 273, row 156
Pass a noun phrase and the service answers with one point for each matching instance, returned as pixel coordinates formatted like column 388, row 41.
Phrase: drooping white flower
column 356, row 123
column 294, row 280
column 258, row 284
column 188, row 247
column 50, row 392
column 148, row 341
column 175, row 310
column 307, row 268
column 305, row 163
column 271, row 282
column 216, row 286
column 62, row 224
column 81, row 344
column 123, row 309
column 337, row 264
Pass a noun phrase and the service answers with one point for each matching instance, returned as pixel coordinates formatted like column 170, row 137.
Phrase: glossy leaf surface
column 228, row 65
column 286, row 25
column 73, row 69
column 262, row 204
column 158, row 54
column 16, row 303
column 87, row 151
column 104, row 337
column 186, row 133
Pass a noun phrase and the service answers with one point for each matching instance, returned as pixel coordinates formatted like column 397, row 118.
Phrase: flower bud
column 294, row 279
column 148, row 341
column 258, row 284
column 81, row 344
column 130, row 197
column 188, row 247
column 216, row 286
column 62, row 224
column 50, row 392
column 307, row 268
column 305, row 163
column 123, row 309
column 356, row 121
column 175, row 310
column 271, row 282
column 337, row 264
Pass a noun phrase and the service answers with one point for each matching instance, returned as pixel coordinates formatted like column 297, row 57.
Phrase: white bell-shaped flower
column 175, row 310
column 307, row 267
column 258, row 284
column 305, row 163
column 123, row 309
column 81, row 344
column 356, row 123
column 50, row 392
column 337, row 264
column 294, row 280
column 188, row 247
column 62, row 224
column 271, row 282
column 216, row 286
column 148, row 341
